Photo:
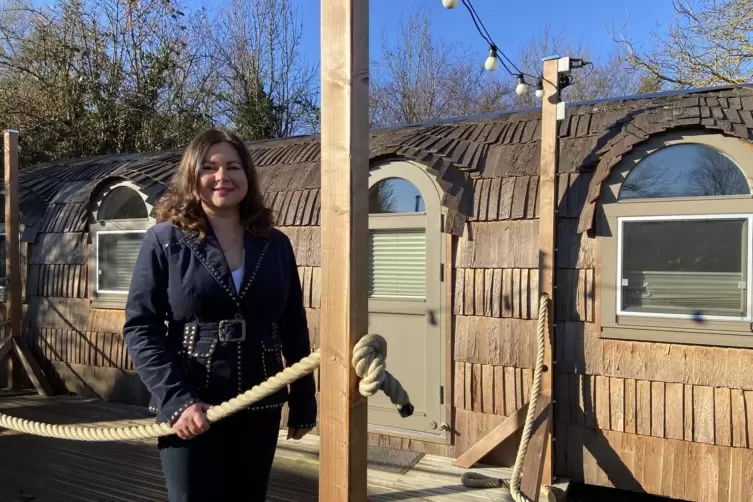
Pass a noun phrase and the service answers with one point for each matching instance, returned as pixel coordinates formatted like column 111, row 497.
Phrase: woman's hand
column 193, row 421
column 295, row 433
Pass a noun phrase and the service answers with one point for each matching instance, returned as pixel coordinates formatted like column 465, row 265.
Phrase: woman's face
column 222, row 180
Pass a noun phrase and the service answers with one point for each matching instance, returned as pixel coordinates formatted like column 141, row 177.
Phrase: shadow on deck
column 51, row 470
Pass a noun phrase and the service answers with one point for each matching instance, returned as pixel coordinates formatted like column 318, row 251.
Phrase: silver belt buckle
column 232, row 330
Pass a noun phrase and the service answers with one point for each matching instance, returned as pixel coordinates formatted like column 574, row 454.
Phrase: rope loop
column 370, row 364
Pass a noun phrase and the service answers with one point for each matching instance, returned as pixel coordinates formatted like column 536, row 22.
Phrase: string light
column 493, row 59
column 491, row 62
column 540, row 89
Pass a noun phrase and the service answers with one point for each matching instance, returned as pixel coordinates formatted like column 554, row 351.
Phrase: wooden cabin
column 653, row 379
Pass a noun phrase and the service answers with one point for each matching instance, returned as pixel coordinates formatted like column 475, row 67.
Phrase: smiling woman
column 228, row 285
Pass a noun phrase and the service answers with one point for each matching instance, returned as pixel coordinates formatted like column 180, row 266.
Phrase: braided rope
column 368, row 358
column 476, row 480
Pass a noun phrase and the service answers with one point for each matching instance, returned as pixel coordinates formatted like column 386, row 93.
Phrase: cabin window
column 397, row 252
column 677, row 258
column 119, row 224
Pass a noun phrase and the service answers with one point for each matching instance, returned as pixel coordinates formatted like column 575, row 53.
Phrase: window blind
column 117, row 253
column 397, row 261
column 719, row 293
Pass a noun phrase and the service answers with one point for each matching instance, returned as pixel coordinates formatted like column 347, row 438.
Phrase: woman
column 215, row 303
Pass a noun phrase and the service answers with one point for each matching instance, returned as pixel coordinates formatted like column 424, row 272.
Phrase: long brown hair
column 181, row 203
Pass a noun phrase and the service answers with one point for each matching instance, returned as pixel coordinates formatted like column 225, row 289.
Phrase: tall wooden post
column 12, row 248
column 344, row 233
column 14, row 346
column 547, row 234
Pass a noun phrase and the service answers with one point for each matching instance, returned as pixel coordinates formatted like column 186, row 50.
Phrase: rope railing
column 369, row 362
column 476, row 480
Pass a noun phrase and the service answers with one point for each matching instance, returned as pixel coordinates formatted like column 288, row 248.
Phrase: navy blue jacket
column 194, row 338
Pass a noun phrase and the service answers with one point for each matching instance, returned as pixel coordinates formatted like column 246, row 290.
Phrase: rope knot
column 369, row 363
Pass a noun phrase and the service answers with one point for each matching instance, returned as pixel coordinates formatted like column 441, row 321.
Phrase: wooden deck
column 52, row 470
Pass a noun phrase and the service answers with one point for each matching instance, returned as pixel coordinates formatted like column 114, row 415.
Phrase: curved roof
column 594, row 136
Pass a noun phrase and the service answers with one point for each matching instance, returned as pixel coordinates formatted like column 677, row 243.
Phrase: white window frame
column 111, row 299
column 96, row 257
column 703, row 217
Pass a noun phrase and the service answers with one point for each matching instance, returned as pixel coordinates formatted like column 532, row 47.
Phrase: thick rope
column 369, row 358
column 476, row 480
column 369, row 362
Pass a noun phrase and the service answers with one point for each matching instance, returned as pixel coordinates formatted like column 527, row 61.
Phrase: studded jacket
column 194, row 338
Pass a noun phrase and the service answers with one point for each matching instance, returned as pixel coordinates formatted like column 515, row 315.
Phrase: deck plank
column 129, row 471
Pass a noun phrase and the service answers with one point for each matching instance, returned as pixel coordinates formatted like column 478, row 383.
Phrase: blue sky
column 511, row 23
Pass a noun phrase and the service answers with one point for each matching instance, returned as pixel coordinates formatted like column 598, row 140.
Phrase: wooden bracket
column 533, row 467
column 12, row 347
column 492, row 440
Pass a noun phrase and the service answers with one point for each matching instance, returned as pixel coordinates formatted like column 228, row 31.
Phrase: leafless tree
column 710, row 42
column 266, row 89
column 715, row 174
column 382, row 198
column 422, row 77
column 606, row 77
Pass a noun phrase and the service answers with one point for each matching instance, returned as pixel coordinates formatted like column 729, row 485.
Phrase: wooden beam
column 12, row 248
column 33, row 370
column 547, row 228
column 535, row 463
column 344, row 232
column 492, row 440
column 6, row 348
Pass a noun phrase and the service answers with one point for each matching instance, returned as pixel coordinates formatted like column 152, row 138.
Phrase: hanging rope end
column 405, row 410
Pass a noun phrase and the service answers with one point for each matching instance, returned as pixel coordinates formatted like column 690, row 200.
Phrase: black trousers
column 231, row 461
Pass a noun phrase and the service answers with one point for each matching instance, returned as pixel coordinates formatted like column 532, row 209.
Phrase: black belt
column 227, row 330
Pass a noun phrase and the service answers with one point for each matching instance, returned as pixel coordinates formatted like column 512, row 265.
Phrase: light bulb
column 540, row 88
column 491, row 61
column 522, row 87
column 450, row 4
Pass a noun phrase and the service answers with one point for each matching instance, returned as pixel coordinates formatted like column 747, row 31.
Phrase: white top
column 237, row 278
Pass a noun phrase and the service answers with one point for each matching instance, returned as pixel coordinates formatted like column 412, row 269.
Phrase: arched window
column 119, row 221
column 122, row 203
column 686, row 170
column 395, row 195
column 679, row 215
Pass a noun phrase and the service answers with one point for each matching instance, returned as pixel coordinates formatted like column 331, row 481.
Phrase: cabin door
column 405, row 288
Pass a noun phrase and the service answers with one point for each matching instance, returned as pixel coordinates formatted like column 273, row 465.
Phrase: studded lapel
column 253, row 257
column 209, row 252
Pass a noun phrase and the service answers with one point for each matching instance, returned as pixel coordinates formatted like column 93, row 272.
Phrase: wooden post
column 344, row 232
column 12, row 248
column 14, row 346
column 547, row 235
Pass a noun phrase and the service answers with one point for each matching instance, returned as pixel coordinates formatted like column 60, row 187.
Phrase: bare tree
column 607, row 77
column 423, row 78
column 266, row 88
column 715, row 174
column 382, row 198
column 709, row 43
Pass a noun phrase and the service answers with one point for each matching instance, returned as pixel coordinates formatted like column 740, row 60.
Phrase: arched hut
column 653, row 366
